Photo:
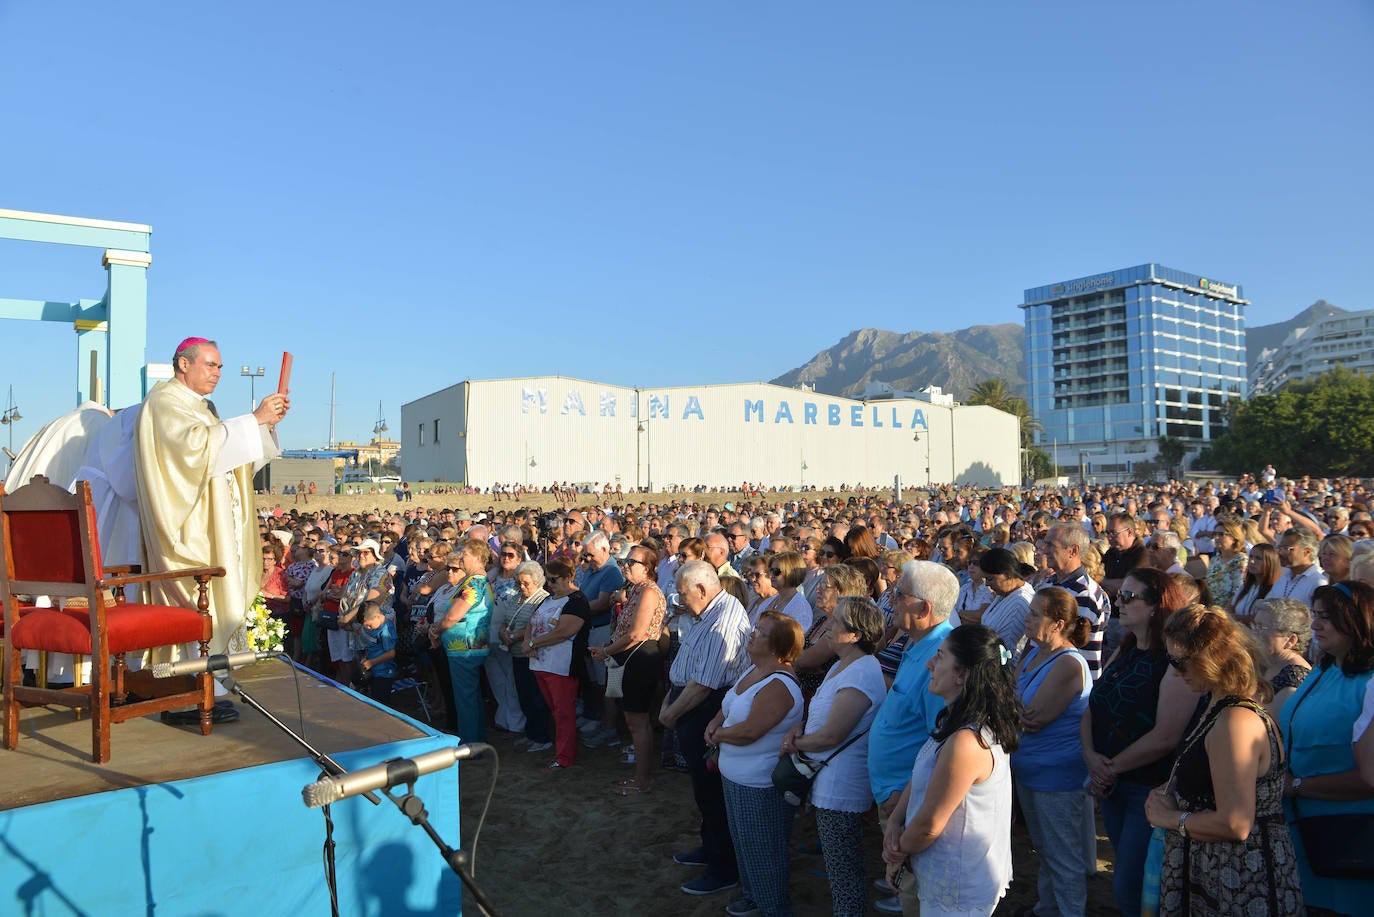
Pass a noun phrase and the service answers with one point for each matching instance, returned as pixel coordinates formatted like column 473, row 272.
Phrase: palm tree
column 996, row 393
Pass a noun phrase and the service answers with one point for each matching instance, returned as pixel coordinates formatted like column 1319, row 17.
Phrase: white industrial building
column 1345, row 339
column 539, row 430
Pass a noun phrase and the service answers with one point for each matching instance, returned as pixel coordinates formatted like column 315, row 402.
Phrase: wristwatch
column 1297, row 784
column 1183, row 823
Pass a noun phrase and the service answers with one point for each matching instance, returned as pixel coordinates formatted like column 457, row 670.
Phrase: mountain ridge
column 956, row 361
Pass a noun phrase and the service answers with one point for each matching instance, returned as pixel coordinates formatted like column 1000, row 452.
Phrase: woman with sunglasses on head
column 1226, row 570
column 635, row 645
column 1226, row 849
column 1137, row 712
column 499, row 667
column 1319, row 727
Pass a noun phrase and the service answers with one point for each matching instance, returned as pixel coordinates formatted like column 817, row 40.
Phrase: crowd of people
column 1190, row 663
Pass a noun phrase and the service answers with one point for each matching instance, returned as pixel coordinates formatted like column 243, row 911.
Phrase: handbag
column 794, row 773
column 1339, row 846
column 615, row 673
column 329, row 620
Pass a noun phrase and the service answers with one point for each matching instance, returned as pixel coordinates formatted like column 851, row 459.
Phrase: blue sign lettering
column 573, row 402
column 832, row 415
column 876, row 421
column 693, row 407
column 539, row 398
column 809, row 412
column 658, row 406
column 753, row 407
column 896, row 424
column 856, row 415
column 607, row 404
column 918, row 419
column 784, row 413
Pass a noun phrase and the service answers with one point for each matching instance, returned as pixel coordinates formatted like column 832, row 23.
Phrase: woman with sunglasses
column 1226, row 570
column 549, row 647
column 1319, row 727
column 1136, row 715
column 462, row 613
column 1226, row 850
column 786, row 571
column 756, row 576
column 500, row 670
column 635, row 645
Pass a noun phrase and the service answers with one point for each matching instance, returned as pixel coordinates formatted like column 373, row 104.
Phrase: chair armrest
column 197, row 572
column 127, row 568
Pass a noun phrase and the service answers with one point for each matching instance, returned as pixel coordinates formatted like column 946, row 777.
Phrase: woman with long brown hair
column 1262, row 571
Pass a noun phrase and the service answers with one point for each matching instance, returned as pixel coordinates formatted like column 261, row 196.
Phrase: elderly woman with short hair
column 1284, row 628
column 529, row 580
column 786, row 571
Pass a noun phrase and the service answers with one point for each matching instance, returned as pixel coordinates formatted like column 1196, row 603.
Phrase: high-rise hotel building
column 1116, row 360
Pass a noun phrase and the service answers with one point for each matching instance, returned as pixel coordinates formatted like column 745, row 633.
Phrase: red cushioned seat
column 23, row 610
column 49, row 546
column 130, row 627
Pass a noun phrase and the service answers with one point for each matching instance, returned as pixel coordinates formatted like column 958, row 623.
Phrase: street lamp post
column 253, row 376
column 377, row 430
column 9, row 418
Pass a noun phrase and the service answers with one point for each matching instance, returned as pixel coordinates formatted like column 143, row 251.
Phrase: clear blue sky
column 661, row 193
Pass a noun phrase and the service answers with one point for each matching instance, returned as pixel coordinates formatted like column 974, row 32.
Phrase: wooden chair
column 50, row 547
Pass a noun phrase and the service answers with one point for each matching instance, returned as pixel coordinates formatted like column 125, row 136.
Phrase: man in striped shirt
column 1064, row 546
column 711, row 659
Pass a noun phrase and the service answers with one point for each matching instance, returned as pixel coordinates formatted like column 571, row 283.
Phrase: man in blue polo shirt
column 926, row 593
column 598, row 576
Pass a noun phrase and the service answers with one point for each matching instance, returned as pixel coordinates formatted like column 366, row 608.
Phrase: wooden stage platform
column 180, row 823
column 53, row 758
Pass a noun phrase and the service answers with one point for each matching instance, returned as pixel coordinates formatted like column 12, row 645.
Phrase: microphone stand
column 328, row 766
column 413, row 808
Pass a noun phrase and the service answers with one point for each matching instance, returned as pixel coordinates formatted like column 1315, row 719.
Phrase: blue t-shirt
column 594, row 582
column 375, row 643
column 905, row 719
column 469, row 636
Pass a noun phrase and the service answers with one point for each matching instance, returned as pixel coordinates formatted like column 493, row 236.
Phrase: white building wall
column 423, row 459
column 717, row 435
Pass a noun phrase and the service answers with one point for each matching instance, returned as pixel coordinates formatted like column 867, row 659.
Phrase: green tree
column 1322, row 426
column 1171, row 452
column 1040, row 464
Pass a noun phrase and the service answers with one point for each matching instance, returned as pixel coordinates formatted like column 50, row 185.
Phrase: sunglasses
column 633, row 560
column 1127, row 595
column 827, row 554
column 1178, row 662
column 451, row 567
column 774, row 571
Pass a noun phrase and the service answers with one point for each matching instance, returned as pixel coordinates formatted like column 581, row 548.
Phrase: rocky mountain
column 959, row 360
column 1259, row 337
column 955, row 362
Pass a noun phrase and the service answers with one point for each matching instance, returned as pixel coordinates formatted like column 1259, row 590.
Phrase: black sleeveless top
column 1123, row 705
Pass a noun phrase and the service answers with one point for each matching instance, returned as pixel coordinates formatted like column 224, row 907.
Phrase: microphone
column 383, row 776
column 216, row 663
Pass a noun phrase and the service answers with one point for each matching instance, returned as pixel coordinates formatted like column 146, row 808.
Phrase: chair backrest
column 48, row 539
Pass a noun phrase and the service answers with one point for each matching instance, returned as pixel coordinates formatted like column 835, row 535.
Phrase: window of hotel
column 436, row 430
column 422, row 434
